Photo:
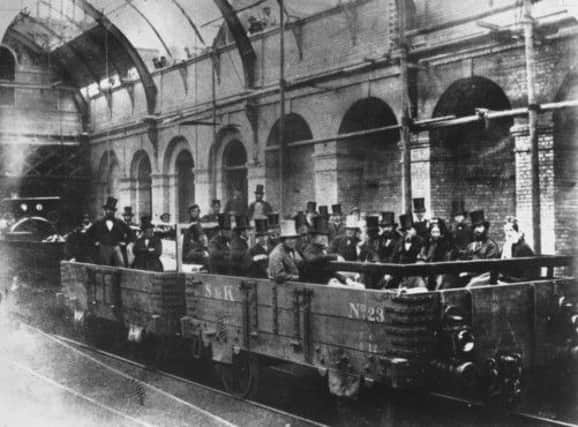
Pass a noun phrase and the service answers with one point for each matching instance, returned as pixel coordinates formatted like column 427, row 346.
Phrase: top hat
column 320, row 225
column 127, row 211
column 224, row 221
column 336, row 209
column 273, row 220
column 372, row 223
column 324, row 211
column 215, row 202
column 311, row 206
column 300, row 219
column 477, row 218
column 288, row 229
column 165, row 217
column 241, row 222
column 260, row 189
column 387, row 219
column 261, row 226
column 406, row 221
column 351, row 222
column 419, row 205
column 459, row 208
column 146, row 222
column 110, row 204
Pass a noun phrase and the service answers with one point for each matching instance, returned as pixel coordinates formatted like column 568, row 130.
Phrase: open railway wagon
column 477, row 342
column 30, row 255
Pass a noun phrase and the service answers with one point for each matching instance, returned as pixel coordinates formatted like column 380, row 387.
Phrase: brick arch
column 474, row 162
column 141, row 183
column 369, row 166
column 174, row 147
column 565, row 135
column 299, row 178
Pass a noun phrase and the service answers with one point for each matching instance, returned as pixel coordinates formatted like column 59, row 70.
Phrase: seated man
column 346, row 245
column 315, row 254
column 481, row 248
column 260, row 251
column 284, row 260
column 240, row 257
column 148, row 248
column 220, row 247
column 515, row 246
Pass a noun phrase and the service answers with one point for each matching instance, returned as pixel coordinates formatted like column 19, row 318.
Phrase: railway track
column 156, row 397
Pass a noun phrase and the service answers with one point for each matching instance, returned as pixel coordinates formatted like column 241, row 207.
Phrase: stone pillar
column 203, row 189
column 256, row 175
column 421, row 170
column 520, row 132
column 325, row 163
column 126, row 193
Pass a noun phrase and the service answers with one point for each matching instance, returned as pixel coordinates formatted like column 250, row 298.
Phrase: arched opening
column 109, row 176
column 185, row 183
column 142, row 181
column 474, row 162
column 299, row 181
column 566, row 169
column 369, row 168
column 7, row 74
column 235, row 170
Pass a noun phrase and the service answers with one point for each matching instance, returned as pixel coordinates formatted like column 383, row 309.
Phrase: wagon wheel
column 241, row 377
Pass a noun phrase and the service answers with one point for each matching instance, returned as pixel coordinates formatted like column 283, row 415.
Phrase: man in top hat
column 213, row 215
column 482, row 246
column 367, row 249
column 335, row 222
column 240, row 257
column 192, row 235
column 460, row 232
column 436, row 249
column 134, row 232
column 302, row 230
column 421, row 224
column 195, row 246
column 389, row 238
column 273, row 223
column 284, row 260
column 236, row 205
column 311, row 212
column 220, row 247
column 411, row 244
column 259, row 208
column 260, row 251
column 148, row 248
column 109, row 234
column 346, row 244
column 315, row 254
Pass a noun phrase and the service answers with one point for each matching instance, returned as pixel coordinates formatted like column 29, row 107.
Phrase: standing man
column 259, row 208
column 148, row 248
column 421, row 224
column 134, row 232
column 78, row 244
column 110, row 235
column 311, row 212
column 213, row 215
column 260, row 252
column 335, row 223
column 240, row 257
column 236, row 206
column 274, row 230
column 284, row 259
column 220, row 247
column 390, row 237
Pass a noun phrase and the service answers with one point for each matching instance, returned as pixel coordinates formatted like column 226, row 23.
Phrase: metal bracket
column 302, row 337
column 250, row 316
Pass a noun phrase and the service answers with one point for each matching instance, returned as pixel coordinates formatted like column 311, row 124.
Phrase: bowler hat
column 372, row 223
column 459, row 208
column 273, row 220
column 288, row 229
column 320, row 225
column 110, row 204
column 224, row 221
column 260, row 189
column 300, row 219
column 387, row 219
column 336, row 209
column 477, row 218
column 261, row 226
column 241, row 222
column 406, row 221
column 419, row 205
column 127, row 211
column 324, row 211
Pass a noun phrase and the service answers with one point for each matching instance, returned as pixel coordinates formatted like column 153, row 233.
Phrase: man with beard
column 109, row 235
column 389, row 237
column 421, row 224
column 481, row 248
column 240, row 256
column 192, row 235
column 220, row 247
column 436, row 249
column 311, row 212
column 461, row 232
column 260, row 251
column 346, row 245
column 315, row 254
column 259, row 208
column 284, row 260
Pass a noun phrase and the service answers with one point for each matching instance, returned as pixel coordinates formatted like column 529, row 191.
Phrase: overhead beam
column 246, row 51
column 143, row 72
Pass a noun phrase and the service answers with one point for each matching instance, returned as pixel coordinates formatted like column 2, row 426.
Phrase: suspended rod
column 150, row 24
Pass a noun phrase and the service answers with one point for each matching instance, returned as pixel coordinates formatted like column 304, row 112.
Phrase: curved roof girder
column 144, row 74
column 152, row 27
column 248, row 55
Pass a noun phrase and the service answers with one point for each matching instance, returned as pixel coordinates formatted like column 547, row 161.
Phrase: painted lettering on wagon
column 366, row 312
column 224, row 293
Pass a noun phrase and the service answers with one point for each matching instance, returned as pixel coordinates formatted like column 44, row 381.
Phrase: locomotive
column 474, row 343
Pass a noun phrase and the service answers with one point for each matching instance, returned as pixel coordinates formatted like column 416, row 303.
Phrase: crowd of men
column 253, row 241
